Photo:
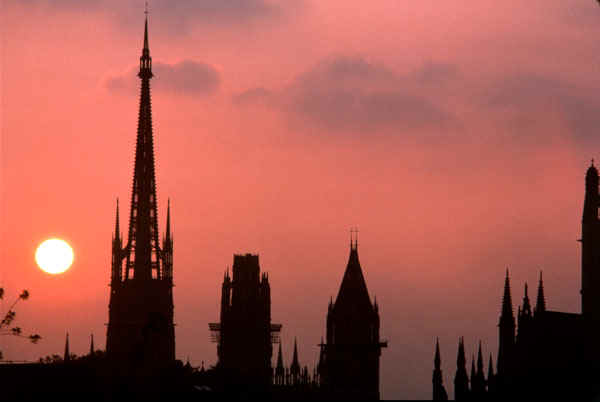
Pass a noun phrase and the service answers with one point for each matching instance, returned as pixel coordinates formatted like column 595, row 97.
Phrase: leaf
column 16, row 331
column 1, row 293
column 34, row 338
column 24, row 294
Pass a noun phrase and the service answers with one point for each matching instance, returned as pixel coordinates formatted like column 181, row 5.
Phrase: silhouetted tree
column 9, row 317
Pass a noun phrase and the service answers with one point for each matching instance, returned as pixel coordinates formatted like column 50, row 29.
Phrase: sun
column 54, row 256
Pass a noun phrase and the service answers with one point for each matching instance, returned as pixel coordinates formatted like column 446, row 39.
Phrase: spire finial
column 92, row 345
column 146, row 28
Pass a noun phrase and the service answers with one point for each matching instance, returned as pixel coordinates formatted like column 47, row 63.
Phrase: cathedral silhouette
column 543, row 353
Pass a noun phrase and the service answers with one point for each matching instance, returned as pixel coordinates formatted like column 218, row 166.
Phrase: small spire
column 67, row 356
column 117, row 227
column 295, row 366
column 279, row 358
column 472, row 368
column 507, row 310
column 168, row 235
column 490, row 368
column 92, row 345
column 479, row 361
column 461, row 360
column 438, row 360
column 540, row 305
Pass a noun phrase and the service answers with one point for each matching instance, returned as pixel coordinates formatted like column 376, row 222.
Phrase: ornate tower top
column 142, row 250
column 353, row 294
column 507, row 310
column 540, row 305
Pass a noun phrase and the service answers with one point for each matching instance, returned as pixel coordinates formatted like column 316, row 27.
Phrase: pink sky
column 456, row 137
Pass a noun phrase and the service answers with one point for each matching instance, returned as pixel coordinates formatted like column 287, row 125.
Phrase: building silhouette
column 245, row 335
column 544, row 353
column 353, row 347
column 141, row 337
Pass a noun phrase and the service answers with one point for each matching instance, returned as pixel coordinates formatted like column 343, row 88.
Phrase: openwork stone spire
column 143, row 251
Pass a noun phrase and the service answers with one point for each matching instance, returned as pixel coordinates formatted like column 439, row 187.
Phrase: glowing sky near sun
column 455, row 136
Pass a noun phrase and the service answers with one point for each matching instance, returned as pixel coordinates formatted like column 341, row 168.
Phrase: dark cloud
column 353, row 94
column 179, row 13
column 436, row 73
column 187, row 77
column 546, row 96
column 253, row 95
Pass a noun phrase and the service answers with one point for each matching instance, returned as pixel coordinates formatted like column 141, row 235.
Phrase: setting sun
column 54, row 256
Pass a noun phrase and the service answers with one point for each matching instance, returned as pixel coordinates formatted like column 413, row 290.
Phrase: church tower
column 141, row 334
column 590, row 252
column 353, row 347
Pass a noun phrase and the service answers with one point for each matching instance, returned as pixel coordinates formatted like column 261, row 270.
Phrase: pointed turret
column 507, row 309
column 491, row 368
column 295, row 366
column 461, row 379
column 506, row 329
column 117, row 251
column 168, row 234
column 540, row 305
column 67, row 355
column 439, row 392
column 117, row 234
column 479, row 361
column 478, row 377
column 91, row 344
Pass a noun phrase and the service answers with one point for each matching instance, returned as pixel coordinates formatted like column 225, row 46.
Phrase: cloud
column 186, row 77
column 436, row 73
column 253, row 95
column 175, row 12
column 352, row 94
column 543, row 97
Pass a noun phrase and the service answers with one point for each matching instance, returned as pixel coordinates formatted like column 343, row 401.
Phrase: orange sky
column 456, row 137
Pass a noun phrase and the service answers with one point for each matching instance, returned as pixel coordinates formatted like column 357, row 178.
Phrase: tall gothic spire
column 92, row 345
column 143, row 251
column 540, row 305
